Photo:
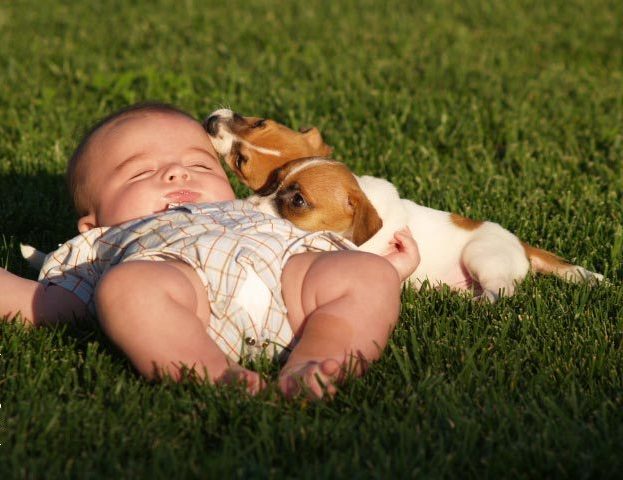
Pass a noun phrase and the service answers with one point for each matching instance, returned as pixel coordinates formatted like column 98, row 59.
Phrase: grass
column 510, row 111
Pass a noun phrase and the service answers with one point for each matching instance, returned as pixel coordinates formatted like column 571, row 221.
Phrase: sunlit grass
column 510, row 111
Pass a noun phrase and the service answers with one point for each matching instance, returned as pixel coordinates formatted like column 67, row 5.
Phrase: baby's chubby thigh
column 156, row 312
column 292, row 279
column 351, row 282
column 342, row 307
column 191, row 290
column 171, row 277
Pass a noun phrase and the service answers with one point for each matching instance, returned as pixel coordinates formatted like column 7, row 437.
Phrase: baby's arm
column 37, row 304
column 404, row 254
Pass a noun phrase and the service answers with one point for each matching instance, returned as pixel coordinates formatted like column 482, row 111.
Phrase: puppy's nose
column 211, row 125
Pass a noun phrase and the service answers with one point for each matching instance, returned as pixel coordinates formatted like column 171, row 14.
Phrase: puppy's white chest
column 440, row 242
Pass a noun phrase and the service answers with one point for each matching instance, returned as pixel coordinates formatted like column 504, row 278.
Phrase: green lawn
column 508, row 110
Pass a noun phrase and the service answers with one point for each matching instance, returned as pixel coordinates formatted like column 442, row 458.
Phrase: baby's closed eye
column 142, row 174
column 201, row 166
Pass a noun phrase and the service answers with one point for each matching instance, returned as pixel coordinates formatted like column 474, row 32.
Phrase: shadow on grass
column 36, row 209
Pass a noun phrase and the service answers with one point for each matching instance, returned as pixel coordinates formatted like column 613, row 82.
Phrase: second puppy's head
column 253, row 147
column 319, row 194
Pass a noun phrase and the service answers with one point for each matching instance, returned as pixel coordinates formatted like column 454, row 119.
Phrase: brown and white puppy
column 253, row 147
column 322, row 194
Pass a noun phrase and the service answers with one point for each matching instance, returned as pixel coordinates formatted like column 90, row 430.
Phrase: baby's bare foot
column 252, row 381
column 311, row 378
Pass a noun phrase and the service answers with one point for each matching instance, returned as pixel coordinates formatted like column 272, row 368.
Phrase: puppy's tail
column 33, row 256
column 546, row 262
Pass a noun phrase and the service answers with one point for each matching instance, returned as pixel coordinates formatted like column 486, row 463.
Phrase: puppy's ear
column 272, row 183
column 366, row 221
column 314, row 139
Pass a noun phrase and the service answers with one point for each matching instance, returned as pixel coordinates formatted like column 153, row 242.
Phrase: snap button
column 249, row 341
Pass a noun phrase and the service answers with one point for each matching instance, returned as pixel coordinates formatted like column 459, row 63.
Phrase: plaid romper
column 238, row 253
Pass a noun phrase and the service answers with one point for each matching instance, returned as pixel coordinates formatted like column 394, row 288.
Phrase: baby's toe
column 252, row 381
column 313, row 379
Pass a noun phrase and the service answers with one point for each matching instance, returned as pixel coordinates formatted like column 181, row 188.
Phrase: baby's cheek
column 223, row 191
column 127, row 206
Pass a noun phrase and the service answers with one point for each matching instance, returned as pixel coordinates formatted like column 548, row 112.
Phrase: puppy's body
column 432, row 229
column 318, row 193
column 456, row 251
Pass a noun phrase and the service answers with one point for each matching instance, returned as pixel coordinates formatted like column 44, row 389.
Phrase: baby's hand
column 404, row 254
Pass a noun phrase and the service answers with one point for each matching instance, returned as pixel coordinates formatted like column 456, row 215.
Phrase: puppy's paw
column 487, row 296
column 587, row 276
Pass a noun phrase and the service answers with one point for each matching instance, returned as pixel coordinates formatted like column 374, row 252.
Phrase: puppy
column 322, row 194
column 253, row 147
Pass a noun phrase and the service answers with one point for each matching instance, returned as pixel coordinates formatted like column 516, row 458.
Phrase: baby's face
column 142, row 163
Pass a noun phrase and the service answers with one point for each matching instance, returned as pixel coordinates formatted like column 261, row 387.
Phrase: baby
column 181, row 275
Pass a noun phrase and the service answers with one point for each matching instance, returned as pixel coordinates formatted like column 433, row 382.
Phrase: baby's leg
column 157, row 314
column 342, row 306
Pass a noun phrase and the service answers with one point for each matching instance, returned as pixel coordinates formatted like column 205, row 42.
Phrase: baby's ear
column 86, row 223
column 314, row 139
column 366, row 220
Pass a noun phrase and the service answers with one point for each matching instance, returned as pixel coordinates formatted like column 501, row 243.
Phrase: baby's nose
column 175, row 172
column 173, row 176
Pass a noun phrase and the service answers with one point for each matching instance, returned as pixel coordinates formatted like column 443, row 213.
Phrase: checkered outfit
column 237, row 252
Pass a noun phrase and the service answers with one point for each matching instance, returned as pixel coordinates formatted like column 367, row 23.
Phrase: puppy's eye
column 259, row 123
column 298, row 201
column 240, row 161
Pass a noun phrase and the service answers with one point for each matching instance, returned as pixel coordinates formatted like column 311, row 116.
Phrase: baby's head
column 139, row 160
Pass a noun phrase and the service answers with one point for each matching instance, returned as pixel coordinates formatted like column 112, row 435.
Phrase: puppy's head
column 319, row 194
column 253, row 147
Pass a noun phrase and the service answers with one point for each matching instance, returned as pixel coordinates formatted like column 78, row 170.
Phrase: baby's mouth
column 179, row 197
column 183, row 196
